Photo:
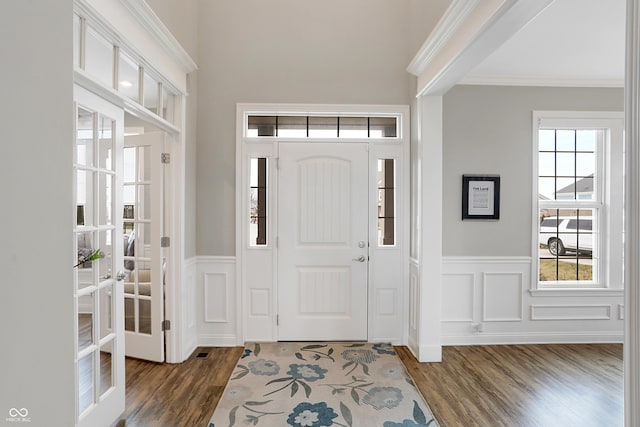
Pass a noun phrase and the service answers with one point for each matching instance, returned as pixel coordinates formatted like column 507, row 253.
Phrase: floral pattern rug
column 321, row 384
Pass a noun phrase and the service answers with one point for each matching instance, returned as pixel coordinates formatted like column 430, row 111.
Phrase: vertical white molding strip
column 632, row 218
column 429, row 306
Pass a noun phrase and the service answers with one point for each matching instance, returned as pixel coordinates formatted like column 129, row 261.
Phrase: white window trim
column 610, row 278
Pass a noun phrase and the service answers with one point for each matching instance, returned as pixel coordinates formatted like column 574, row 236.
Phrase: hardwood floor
column 488, row 386
column 523, row 385
column 175, row 395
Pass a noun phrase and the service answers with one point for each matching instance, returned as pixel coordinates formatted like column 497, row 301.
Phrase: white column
column 632, row 218
column 430, row 116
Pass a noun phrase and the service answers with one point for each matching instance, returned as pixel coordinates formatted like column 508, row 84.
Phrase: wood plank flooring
column 487, row 386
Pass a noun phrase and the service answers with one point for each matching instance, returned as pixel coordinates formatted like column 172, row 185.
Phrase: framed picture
column 481, row 197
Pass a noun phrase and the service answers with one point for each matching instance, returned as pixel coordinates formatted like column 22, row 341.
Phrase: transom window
column 321, row 127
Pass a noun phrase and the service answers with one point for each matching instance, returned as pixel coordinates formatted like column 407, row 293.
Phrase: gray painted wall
column 287, row 51
column 36, row 249
column 181, row 18
column 488, row 130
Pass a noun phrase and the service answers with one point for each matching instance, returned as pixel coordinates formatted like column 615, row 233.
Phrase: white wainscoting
column 216, row 302
column 414, row 306
column 189, row 326
column 487, row 300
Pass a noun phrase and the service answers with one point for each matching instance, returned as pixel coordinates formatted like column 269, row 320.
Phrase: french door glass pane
column 143, row 203
column 84, row 196
column 105, row 239
column 84, row 138
column 86, row 322
column 144, row 316
column 106, row 193
column 106, row 366
column 129, row 313
column 105, row 142
column 144, row 164
column 85, row 382
column 106, row 309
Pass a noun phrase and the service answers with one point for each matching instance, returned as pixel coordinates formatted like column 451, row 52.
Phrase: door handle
column 361, row 258
column 121, row 275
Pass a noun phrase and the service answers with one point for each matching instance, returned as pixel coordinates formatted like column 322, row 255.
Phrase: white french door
column 98, row 294
column 323, row 241
column 143, row 260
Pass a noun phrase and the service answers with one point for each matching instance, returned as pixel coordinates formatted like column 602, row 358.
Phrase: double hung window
column 577, row 216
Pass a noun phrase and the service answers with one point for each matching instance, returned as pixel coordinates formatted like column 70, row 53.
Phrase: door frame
column 256, row 267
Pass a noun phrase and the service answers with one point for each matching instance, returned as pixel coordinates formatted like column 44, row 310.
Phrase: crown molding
column 453, row 17
column 151, row 23
column 468, row 32
column 540, row 81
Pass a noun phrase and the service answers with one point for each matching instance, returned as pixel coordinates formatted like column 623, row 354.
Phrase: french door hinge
column 277, row 320
column 165, row 242
column 166, row 325
column 165, row 158
column 277, row 159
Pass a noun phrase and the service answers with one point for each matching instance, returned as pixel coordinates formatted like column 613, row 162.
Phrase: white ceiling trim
column 540, row 81
column 453, row 17
column 467, row 33
column 150, row 21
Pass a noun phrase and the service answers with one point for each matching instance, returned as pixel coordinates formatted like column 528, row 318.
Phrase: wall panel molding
column 486, row 300
column 216, row 302
column 216, row 297
column 571, row 312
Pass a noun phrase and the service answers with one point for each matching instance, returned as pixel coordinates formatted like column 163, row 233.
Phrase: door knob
column 121, row 275
column 361, row 258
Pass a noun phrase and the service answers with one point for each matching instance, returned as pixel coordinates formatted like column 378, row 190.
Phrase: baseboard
column 535, row 338
column 217, row 341
column 430, row 353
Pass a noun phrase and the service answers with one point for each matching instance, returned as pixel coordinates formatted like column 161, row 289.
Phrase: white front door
column 322, row 241
column 143, row 261
column 99, row 361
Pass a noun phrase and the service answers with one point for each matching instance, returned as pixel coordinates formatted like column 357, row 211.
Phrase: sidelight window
column 386, row 202
column 258, row 201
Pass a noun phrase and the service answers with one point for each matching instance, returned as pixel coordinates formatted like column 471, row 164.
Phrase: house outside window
column 578, row 212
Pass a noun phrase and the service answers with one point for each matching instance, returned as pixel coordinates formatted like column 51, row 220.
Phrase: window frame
column 606, row 205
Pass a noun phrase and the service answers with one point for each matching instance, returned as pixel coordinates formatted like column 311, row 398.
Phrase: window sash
column 546, row 264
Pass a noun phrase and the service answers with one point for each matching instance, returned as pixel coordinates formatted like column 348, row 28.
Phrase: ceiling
column 570, row 43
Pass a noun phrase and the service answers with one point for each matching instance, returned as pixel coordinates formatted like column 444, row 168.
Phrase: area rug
column 321, row 384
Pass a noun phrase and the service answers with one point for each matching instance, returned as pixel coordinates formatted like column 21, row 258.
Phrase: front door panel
column 322, row 242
